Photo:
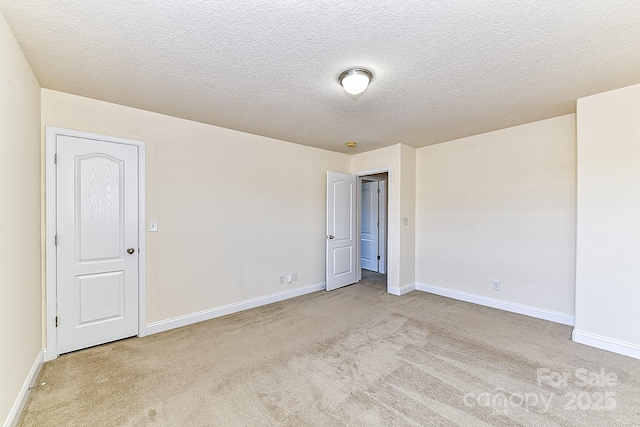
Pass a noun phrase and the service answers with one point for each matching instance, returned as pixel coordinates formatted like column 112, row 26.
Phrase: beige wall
column 399, row 160
column 501, row 205
column 20, row 304
column 408, row 211
column 608, row 241
column 234, row 210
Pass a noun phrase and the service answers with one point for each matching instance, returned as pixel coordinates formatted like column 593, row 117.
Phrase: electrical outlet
column 495, row 284
column 281, row 280
column 295, row 276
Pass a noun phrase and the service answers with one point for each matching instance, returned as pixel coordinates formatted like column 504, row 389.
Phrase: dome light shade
column 355, row 80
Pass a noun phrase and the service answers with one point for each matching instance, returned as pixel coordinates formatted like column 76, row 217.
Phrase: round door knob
column 130, row 251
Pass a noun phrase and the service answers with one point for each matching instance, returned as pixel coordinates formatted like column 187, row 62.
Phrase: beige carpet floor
column 352, row 357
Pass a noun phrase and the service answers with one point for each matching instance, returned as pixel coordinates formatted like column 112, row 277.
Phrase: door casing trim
column 50, row 308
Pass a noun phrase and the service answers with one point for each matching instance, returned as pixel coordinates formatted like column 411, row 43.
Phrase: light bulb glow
column 355, row 81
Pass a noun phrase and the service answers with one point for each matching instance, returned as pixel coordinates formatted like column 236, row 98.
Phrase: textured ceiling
column 442, row 69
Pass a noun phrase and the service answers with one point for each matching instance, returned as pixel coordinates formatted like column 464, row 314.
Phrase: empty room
column 357, row 213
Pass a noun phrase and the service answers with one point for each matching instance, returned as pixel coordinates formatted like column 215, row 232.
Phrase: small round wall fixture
column 354, row 81
column 351, row 144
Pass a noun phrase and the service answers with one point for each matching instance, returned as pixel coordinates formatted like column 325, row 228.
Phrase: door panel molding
column 341, row 238
column 52, row 134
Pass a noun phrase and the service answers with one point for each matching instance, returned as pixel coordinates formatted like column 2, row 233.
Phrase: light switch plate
column 153, row 225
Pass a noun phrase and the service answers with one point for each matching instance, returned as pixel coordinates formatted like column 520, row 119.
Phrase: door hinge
column 378, row 191
column 377, row 224
column 378, row 256
column 55, row 159
column 55, row 240
column 56, row 321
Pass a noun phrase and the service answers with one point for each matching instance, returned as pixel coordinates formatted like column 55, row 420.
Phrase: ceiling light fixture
column 351, row 144
column 354, row 81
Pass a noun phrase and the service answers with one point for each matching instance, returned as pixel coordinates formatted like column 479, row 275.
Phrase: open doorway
column 373, row 227
column 344, row 228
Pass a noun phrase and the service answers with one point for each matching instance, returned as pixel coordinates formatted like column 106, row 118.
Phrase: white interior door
column 341, row 230
column 382, row 228
column 369, row 254
column 97, row 242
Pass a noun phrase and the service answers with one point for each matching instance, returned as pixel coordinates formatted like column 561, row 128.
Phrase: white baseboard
column 399, row 291
column 189, row 319
column 540, row 313
column 604, row 343
column 16, row 410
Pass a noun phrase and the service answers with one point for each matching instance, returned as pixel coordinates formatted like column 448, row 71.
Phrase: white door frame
column 51, row 351
column 377, row 228
column 382, row 229
column 382, row 220
column 390, row 266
